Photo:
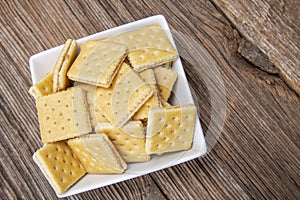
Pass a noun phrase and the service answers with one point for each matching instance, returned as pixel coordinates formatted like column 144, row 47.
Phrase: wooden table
column 257, row 155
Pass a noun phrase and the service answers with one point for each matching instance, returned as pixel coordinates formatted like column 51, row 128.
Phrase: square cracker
column 129, row 140
column 165, row 103
column 98, row 63
column 147, row 47
column 142, row 113
column 63, row 81
column 97, row 154
column 43, row 87
column 126, row 95
column 170, row 129
column 94, row 112
column 59, row 165
column 63, row 115
column 66, row 57
column 165, row 81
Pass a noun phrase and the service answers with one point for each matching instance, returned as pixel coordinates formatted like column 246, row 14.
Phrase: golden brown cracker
column 170, row 129
column 148, row 47
column 63, row 81
column 166, row 79
column 149, row 77
column 98, row 65
column 97, row 154
column 59, row 165
column 42, row 87
column 63, row 115
column 129, row 140
column 59, row 63
column 126, row 95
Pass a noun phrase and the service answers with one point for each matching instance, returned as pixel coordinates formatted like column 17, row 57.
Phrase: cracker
column 63, row 81
column 90, row 92
column 126, row 95
column 98, row 65
column 129, row 140
column 165, row 103
column 148, row 77
column 148, row 47
column 97, row 154
column 42, row 87
column 63, row 115
column 59, row 165
column 165, row 81
column 59, row 63
column 170, row 129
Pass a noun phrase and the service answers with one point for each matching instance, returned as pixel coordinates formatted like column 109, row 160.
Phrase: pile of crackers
column 106, row 104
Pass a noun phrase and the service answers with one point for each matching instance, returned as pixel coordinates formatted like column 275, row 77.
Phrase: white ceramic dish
column 43, row 62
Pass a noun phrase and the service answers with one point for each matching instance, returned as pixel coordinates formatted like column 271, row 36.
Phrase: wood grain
column 272, row 26
column 257, row 155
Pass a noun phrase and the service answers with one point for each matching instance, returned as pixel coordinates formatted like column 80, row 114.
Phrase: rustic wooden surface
column 273, row 27
column 257, row 155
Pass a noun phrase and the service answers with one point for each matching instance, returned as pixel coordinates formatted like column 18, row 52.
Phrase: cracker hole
column 45, row 105
column 62, row 128
column 60, row 114
column 54, row 122
column 53, row 109
column 54, row 167
column 69, row 119
column 75, row 110
column 67, row 105
column 71, row 173
column 62, row 180
column 47, row 118
column 49, row 131
column 77, row 124
column 58, row 101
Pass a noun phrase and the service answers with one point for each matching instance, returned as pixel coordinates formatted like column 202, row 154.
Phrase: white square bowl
column 43, row 62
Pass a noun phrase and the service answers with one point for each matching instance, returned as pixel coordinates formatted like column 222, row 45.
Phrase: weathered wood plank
column 272, row 26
